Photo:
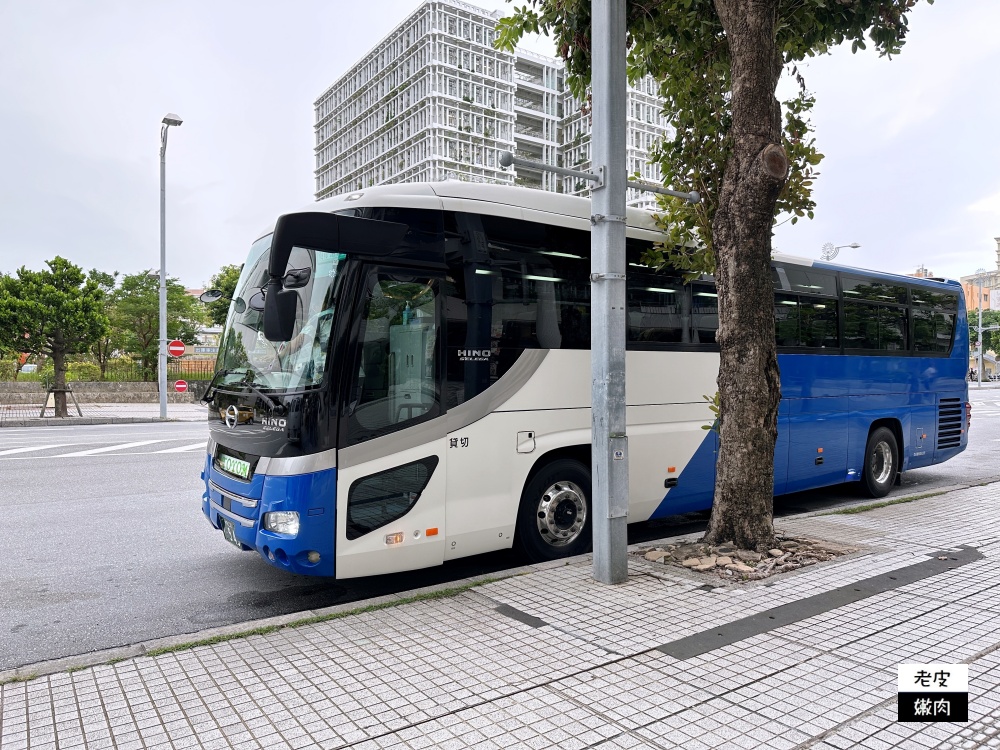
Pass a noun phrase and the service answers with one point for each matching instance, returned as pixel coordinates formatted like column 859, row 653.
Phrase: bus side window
column 933, row 320
column 662, row 309
column 705, row 313
column 541, row 288
column 395, row 378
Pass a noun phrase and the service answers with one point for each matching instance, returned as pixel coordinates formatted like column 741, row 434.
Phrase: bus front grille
column 949, row 433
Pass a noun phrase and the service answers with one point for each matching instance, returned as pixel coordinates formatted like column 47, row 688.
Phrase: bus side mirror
column 279, row 312
column 325, row 232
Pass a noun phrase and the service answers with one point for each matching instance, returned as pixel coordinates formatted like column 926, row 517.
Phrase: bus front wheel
column 881, row 462
column 554, row 517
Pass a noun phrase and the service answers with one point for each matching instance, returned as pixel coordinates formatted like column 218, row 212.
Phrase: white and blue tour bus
column 404, row 379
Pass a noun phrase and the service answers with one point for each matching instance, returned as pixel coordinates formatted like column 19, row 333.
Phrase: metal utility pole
column 170, row 119
column 609, row 443
column 980, row 329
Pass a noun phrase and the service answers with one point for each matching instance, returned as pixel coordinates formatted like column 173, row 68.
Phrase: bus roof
column 530, row 204
column 485, row 197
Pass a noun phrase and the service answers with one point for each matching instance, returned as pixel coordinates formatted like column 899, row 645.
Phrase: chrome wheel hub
column 561, row 514
column 881, row 463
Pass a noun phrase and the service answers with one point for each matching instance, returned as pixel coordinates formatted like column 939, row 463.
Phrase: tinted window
column 875, row 291
column 874, row 327
column 540, row 280
column 395, row 381
column 934, row 315
column 818, row 326
column 662, row 309
column 514, row 285
column 801, row 321
column 658, row 303
column 805, row 280
column 944, row 301
column 786, row 319
column 704, row 313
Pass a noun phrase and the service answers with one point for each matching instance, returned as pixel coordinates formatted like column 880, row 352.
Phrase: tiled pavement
column 100, row 413
column 580, row 667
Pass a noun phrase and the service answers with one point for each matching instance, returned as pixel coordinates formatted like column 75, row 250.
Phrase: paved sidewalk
column 551, row 659
column 27, row 416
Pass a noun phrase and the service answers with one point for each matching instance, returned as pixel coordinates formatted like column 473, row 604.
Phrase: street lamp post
column 980, row 329
column 170, row 119
column 981, row 273
column 830, row 250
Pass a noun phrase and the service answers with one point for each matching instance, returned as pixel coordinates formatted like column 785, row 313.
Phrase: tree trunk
column 103, row 353
column 59, row 386
column 749, row 387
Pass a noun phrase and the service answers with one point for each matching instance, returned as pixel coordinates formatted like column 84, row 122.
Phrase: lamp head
column 172, row 119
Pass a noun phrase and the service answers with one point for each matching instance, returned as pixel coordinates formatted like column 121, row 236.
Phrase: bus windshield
column 246, row 356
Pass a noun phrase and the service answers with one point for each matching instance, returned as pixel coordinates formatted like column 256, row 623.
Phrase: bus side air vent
column 380, row 499
column 949, row 433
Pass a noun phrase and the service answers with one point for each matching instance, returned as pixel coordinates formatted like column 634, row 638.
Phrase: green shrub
column 83, row 372
column 7, row 369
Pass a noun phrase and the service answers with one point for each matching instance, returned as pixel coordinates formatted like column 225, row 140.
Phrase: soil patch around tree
column 728, row 563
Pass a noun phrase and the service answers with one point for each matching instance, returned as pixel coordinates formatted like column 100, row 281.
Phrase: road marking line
column 120, row 446
column 33, row 448
column 203, row 444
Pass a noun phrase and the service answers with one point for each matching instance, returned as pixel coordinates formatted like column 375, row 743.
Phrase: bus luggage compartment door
column 817, row 442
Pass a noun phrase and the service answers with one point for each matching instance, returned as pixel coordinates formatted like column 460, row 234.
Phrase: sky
column 912, row 167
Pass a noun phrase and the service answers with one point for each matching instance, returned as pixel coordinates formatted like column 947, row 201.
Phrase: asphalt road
column 106, row 544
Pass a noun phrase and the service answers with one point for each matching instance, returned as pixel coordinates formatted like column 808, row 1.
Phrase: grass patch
column 11, row 680
column 429, row 596
column 875, row 506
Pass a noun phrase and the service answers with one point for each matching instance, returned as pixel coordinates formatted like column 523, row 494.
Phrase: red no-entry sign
column 180, row 386
column 175, row 348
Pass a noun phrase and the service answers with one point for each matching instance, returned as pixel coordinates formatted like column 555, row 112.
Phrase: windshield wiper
column 210, row 390
column 274, row 406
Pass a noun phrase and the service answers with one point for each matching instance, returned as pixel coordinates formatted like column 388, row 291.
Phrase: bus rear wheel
column 554, row 517
column 881, row 463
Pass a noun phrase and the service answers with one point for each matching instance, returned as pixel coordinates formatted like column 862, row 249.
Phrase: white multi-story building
column 644, row 126
column 434, row 101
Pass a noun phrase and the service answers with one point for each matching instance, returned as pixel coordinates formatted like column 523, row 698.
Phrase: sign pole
column 609, row 452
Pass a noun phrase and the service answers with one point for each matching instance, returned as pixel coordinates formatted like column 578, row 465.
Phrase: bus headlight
column 282, row 522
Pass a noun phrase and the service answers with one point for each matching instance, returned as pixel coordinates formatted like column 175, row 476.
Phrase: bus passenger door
column 391, row 475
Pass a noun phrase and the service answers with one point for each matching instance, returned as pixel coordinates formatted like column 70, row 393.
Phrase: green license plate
column 229, row 532
column 234, row 465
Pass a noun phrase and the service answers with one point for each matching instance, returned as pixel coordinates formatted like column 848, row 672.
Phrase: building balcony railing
column 531, row 132
column 523, row 77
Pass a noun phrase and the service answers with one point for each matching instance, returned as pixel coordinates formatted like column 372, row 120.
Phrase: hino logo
column 473, row 355
column 232, row 416
column 273, row 423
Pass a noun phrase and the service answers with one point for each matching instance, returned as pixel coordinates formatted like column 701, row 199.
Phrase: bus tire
column 881, row 463
column 555, row 517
